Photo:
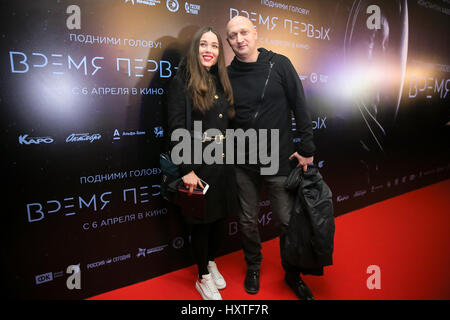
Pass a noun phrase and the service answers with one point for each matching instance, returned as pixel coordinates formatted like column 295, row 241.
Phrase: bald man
column 266, row 90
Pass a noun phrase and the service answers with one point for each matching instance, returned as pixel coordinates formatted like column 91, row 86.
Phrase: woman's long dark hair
column 201, row 84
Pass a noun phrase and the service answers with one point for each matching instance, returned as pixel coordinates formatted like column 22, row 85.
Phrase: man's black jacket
column 266, row 94
column 310, row 240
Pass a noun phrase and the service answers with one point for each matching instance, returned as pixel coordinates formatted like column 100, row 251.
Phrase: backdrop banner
column 82, row 95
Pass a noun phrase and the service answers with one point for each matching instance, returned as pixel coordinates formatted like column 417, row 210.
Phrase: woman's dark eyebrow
column 214, row 42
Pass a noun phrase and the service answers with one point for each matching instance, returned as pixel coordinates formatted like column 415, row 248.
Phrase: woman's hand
column 191, row 181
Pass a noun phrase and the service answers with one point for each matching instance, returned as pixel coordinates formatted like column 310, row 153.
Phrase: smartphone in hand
column 197, row 190
column 205, row 186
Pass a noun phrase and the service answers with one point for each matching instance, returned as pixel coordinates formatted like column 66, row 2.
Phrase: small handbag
column 191, row 205
column 169, row 170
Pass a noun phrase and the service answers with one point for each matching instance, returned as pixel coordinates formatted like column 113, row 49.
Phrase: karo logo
column 45, row 277
column 24, row 139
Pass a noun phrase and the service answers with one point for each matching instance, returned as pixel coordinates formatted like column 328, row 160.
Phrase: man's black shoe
column 251, row 283
column 299, row 287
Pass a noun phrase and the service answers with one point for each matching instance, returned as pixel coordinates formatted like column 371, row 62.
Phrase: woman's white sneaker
column 215, row 274
column 207, row 288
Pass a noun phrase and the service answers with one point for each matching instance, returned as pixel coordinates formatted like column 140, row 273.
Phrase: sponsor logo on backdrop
column 341, row 198
column 191, row 8
column 314, row 77
column 108, row 261
column 45, row 277
column 81, row 137
column 375, row 188
column 117, row 135
column 359, row 193
column 172, row 5
column 147, row 2
column 392, row 183
column 178, row 242
column 143, row 252
column 27, row 140
column 159, row 132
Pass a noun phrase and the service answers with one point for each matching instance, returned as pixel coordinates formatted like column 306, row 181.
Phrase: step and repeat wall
column 83, row 85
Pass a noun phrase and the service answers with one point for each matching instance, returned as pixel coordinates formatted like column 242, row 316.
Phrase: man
column 266, row 89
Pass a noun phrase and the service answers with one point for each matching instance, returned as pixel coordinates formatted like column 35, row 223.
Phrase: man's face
column 242, row 36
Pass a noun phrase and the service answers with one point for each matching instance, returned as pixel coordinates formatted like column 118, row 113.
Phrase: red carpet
column 406, row 236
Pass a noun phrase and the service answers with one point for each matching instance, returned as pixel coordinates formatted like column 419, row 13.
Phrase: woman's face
column 208, row 49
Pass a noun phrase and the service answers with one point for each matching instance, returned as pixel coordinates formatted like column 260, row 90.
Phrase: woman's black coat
column 221, row 197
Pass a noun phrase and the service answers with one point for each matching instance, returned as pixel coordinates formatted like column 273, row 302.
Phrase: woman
column 202, row 77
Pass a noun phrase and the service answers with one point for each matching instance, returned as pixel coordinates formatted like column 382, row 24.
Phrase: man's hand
column 191, row 181
column 302, row 161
